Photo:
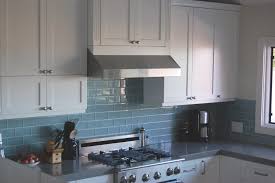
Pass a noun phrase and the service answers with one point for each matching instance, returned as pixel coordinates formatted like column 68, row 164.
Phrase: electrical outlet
column 237, row 127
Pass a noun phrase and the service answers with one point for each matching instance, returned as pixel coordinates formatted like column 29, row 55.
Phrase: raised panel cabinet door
column 176, row 88
column 23, row 96
column 226, row 54
column 117, row 22
column 66, row 36
column 20, row 38
column 208, row 170
column 230, row 170
column 203, row 54
column 151, row 18
column 66, row 94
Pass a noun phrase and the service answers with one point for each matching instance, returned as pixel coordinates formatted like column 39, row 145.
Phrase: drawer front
column 255, row 173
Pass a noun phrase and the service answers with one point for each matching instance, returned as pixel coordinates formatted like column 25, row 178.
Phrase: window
column 265, row 102
column 272, row 87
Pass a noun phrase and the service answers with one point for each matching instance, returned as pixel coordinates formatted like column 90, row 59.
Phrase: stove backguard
column 107, row 144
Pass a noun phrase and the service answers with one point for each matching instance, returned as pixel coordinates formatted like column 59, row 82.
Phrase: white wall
column 256, row 22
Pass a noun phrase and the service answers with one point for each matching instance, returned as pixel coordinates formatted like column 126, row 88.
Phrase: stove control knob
column 132, row 179
column 123, row 179
column 169, row 172
column 176, row 170
column 157, row 175
column 145, row 178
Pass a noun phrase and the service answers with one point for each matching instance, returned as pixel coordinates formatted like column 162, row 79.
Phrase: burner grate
column 123, row 156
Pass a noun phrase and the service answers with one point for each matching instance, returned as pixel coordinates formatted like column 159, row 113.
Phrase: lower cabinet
column 230, row 170
column 208, row 170
column 255, row 173
column 39, row 95
column 239, row 171
column 205, row 170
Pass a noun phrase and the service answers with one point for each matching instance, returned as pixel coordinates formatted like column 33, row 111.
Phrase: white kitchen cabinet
column 99, row 179
column 43, row 35
column 117, row 22
column 190, row 172
column 204, row 42
column 208, row 169
column 23, row 95
column 203, row 54
column 151, row 24
column 39, row 95
column 19, row 38
column 66, row 40
column 128, row 26
column 66, row 94
column 226, row 54
column 230, row 170
column 255, row 173
column 180, row 18
column 174, row 90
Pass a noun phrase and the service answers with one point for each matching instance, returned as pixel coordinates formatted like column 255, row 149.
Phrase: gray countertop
column 76, row 170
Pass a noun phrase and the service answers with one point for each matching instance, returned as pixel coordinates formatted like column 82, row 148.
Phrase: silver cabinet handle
column 194, row 98
column 137, row 42
column 218, row 96
column 132, row 42
column 50, row 108
column 49, row 71
column 204, row 168
column 261, row 174
column 187, row 171
column 189, row 98
column 43, row 108
column 43, row 71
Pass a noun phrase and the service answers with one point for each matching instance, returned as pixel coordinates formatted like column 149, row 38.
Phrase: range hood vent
column 131, row 66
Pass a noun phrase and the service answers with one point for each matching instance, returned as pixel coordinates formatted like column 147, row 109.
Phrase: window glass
column 272, row 92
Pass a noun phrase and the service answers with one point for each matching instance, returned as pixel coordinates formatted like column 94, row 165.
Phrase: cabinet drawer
column 255, row 173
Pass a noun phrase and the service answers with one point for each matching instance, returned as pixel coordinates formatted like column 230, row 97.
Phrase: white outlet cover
column 237, row 127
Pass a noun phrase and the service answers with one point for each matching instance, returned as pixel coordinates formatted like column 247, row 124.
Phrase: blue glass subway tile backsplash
column 114, row 107
column 241, row 111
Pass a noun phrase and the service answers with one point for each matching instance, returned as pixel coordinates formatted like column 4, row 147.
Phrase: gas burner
column 122, row 156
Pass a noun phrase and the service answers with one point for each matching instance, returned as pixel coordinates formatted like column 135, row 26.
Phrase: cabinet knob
column 194, row 98
column 132, row 42
column 218, row 96
column 189, row 98
column 137, row 42
column 43, row 71
column 43, row 108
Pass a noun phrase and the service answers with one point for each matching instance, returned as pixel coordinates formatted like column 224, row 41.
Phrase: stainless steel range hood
column 131, row 66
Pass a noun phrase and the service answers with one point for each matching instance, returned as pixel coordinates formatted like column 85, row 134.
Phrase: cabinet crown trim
column 203, row 4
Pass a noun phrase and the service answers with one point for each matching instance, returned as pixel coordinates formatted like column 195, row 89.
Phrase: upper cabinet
column 41, row 37
column 43, row 50
column 19, row 37
column 66, row 36
column 204, row 42
column 226, row 54
column 203, row 54
column 117, row 27
column 117, row 22
column 40, row 96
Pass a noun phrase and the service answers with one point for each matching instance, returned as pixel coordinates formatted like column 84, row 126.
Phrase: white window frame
column 262, row 124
